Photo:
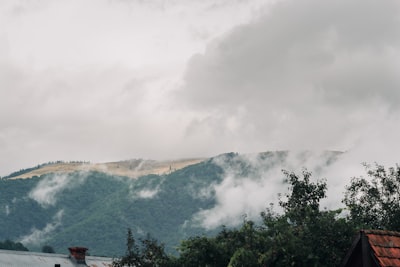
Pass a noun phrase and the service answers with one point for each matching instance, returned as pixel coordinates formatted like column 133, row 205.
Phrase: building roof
column 385, row 246
column 374, row 248
column 11, row 258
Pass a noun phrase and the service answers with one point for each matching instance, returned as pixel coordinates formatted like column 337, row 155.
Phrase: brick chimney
column 77, row 254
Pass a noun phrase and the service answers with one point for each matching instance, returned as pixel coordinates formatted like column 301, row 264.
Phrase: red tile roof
column 385, row 246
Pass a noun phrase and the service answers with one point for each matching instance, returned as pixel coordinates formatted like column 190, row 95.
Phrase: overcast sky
column 105, row 80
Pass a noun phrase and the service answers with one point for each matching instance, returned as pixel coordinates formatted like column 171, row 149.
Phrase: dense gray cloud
column 309, row 74
column 302, row 51
column 90, row 80
column 109, row 80
column 306, row 75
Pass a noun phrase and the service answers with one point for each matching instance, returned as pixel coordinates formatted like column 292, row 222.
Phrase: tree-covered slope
column 94, row 209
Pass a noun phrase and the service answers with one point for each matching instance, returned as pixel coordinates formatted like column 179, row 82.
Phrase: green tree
column 374, row 201
column 153, row 254
column 241, row 246
column 244, row 258
column 132, row 256
column 149, row 254
column 304, row 235
column 10, row 245
column 302, row 200
column 200, row 252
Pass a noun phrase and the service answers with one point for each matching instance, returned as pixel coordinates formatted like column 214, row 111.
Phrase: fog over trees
column 303, row 235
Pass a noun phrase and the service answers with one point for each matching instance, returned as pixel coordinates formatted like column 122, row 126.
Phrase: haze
column 119, row 79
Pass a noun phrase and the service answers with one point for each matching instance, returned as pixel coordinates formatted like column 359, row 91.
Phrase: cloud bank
column 111, row 80
column 92, row 81
column 307, row 75
column 251, row 191
column 143, row 79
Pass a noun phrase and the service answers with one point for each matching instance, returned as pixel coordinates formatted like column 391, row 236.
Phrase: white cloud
column 250, row 193
column 307, row 75
column 110, row 80
column 92, row 81
column 201, row 192
column 38, row 236
column 48, row 188
column 378, row 146
column 147, row 193
column 145, row 187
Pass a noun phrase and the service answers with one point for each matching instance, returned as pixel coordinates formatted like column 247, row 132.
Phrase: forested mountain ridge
column 130, row 168
column 94, row 209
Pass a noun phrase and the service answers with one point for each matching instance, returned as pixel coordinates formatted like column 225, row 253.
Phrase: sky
column 108, row 80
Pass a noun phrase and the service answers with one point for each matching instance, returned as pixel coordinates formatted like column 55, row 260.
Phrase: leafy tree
column 229, row 246
column 132, row 255
column 374, row 202
column 10, row 245
column 243, row 258
column 153, row 254
column 200, row 251
column 150, row 254
column 304, row 235
column 303, row 197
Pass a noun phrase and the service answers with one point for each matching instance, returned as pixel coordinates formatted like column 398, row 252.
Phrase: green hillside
column 94, row 209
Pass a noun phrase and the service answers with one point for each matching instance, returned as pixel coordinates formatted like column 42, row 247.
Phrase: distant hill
column 81, row 204
column 130, row 168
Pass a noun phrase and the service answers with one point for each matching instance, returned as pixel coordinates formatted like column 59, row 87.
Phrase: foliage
column 243, row 257
column 302, row 236
column 200, row 251
column 132, row 256
column 374, row 202
column 153, row 254
column 149, row 254
column 303, row 197
column 10, row 245
column 96, row 207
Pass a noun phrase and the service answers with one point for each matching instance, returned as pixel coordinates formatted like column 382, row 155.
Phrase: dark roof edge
column 351, row 249
column 19, row 252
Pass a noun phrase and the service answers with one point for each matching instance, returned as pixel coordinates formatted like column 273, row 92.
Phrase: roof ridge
column 381, row 232
column 24, row 252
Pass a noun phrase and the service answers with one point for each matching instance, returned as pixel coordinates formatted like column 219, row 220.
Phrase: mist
column 113, row 80
column 252, row 182
column 38, row 237
column 47, row 190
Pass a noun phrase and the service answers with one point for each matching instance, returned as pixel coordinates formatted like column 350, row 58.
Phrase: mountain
column 80, row 204
column 130, row 168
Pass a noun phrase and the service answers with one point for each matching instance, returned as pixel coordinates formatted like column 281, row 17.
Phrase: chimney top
column 78, row 254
